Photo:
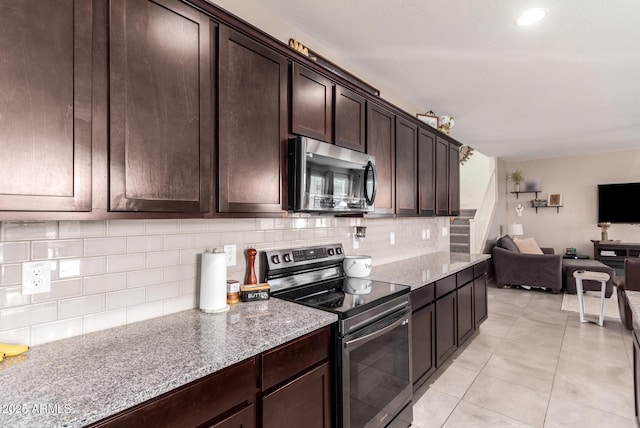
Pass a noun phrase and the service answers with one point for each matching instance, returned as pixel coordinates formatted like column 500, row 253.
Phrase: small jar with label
column 233, row 292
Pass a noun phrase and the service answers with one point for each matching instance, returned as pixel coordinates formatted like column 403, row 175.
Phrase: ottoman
column 569, row 266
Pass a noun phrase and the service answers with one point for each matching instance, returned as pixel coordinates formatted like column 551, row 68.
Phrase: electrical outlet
column 392, row 238
column 356, row 243
column 445, row 231
column 36, row 277
column 428, row 233
column 230, row 251
column 424, row 234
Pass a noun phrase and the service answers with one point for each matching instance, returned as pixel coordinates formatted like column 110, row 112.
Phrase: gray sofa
column 535, row 270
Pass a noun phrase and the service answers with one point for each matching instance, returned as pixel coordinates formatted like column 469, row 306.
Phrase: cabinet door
column 480, row 300
column 304, row 402
column 442, row 177
column 350, row 113
column 245, row 418
column 159, row 107
column 381, row 137
column 311, row 104
column 636, row 374
column 406, row 165
column 253, row 126
column 465, row 312
column 446, row 330
column 45, row 105
column 423, row 356
column 426, row 173
column 454, row 179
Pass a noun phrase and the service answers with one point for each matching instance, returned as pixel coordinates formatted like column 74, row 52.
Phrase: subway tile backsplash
column 109, row 273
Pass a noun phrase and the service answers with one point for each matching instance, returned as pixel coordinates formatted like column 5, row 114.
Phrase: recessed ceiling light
column 531, row 16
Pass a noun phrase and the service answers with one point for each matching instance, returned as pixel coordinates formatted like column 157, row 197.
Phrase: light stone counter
column 80, row 380
column 634, row 303
column 419, row 271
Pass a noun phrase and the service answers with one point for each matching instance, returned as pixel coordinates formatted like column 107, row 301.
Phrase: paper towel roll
column 213, row 282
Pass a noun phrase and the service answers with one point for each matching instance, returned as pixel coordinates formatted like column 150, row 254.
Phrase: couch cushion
column 528, row 246
column 507, row 243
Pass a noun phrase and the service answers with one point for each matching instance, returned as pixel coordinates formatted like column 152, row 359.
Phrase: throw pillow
column 507, row 243
column 528, row 246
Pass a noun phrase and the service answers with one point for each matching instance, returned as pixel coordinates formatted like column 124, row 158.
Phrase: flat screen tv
column 619, row 203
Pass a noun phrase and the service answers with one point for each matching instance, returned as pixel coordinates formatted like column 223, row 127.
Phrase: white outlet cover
column 356, row 243
column 428, row 233
column 392, row 238
column 445, row 231
column 36, row 277
column 424, row 234
column 230, row 251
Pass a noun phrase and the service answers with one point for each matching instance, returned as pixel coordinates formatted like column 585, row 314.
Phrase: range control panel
column 278, row 259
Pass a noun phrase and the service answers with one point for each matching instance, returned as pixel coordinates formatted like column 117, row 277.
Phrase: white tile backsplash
column 42, row 250
column 122, row 271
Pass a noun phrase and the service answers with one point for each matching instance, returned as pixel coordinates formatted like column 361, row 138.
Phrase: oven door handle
column 355, row 342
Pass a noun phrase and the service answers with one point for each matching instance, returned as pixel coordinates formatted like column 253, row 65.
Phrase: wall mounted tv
column 618, row 203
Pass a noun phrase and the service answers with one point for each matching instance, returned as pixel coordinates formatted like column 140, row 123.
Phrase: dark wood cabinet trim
column 383, row 147
column 442, row 177
column 454, row 180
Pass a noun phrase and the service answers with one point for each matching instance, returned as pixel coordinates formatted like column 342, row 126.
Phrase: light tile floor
column 533, row 365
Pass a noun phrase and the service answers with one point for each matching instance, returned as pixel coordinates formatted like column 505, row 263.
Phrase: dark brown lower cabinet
column 245, row 418
column 446, row 330
column 200, row 402
column 465, row 312
column 423, row 348
column 481, row 311
column 292, row 383
column 304, row 402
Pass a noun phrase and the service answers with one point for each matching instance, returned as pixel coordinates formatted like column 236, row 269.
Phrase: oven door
column 375, row 372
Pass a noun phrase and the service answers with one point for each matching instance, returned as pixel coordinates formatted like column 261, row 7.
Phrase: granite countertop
column 634, row 303
column 419, row 271
column 80, row 380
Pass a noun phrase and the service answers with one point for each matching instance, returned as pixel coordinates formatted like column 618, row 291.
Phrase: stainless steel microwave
column 328, row 178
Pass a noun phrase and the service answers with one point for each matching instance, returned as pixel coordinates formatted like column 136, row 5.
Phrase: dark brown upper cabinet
column 253, row 125
column 442, row 177
column 161, row 139
column 45, row 106
column 381, row 137
column 447, row 178
column 426, row 173
column 454, row 179
column 311, row 104
column 349, row 120
column 406, row 166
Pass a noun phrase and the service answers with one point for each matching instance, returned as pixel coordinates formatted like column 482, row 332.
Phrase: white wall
column 576, row 177
column 475, row 175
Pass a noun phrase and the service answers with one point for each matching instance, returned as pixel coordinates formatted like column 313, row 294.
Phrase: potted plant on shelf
column 517, row 178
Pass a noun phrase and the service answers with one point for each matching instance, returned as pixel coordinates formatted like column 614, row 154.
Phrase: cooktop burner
column 344, row 296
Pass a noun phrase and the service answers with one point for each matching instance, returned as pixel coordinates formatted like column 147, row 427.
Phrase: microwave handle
column 370, row 169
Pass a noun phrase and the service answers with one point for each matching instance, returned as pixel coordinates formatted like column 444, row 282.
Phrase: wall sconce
column 519, row 209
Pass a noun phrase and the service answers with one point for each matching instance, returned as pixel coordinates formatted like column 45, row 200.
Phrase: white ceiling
column 569, row 85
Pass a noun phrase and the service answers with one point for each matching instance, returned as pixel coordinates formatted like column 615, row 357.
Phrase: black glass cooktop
column 344, row 296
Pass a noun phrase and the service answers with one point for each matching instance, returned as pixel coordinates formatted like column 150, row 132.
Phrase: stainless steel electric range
column 373, row 367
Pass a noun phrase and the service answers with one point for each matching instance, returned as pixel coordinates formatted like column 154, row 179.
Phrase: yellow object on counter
column 12, row 350
column 1, row 357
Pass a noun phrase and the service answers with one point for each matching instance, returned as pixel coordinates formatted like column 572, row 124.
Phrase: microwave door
column 370, row 183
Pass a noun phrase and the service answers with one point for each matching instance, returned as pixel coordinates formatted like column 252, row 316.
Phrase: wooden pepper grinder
column 251, row 260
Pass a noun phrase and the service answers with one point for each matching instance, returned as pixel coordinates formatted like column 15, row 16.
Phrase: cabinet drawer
column 295, row 357
column 206, row 399
column 445, row 285
column 464, row 276
column 480, row 269
column 423, row 296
